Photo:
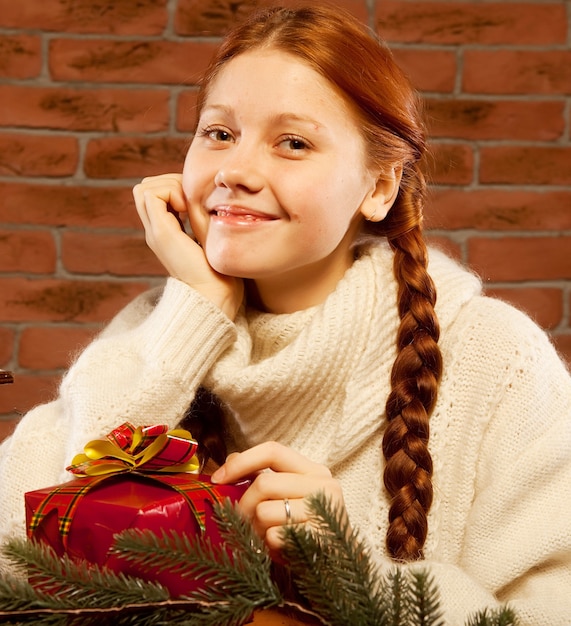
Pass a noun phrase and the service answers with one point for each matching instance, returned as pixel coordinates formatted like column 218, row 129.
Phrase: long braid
column 415, row 376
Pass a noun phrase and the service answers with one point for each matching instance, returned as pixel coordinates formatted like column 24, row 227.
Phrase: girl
column 300, row 325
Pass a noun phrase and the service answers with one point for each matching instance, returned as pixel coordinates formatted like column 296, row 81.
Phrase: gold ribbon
column 142, row 449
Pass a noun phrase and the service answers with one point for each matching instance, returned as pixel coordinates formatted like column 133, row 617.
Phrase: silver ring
column 287, row 511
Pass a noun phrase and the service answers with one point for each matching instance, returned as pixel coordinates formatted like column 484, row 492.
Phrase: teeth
column 249, row 218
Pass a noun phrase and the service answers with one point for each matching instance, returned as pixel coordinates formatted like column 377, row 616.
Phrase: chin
column 228, row 267
column 234, row 263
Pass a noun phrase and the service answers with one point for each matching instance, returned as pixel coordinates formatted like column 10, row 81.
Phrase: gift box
column 132, row 488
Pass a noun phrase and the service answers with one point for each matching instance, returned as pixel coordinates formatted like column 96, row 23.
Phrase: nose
column 241, row 169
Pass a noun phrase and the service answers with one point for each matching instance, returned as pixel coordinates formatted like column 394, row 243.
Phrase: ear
column 382, row 196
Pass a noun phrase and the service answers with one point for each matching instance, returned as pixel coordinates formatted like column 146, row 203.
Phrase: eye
column 213, row 133
column 293, row 143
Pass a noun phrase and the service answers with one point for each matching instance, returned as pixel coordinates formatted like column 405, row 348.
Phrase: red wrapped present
column 134, row 479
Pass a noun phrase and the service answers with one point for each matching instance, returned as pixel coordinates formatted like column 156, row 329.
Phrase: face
column 276, row 178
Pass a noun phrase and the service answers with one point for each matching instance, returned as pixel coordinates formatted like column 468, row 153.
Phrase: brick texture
column 96, row 95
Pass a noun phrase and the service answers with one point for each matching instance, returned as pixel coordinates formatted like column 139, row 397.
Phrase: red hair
column 363, row 70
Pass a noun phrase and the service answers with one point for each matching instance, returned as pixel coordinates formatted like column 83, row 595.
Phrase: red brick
column 7, row 339
column 58, row 205
column 563, row 344
column 53, row 347
column 488, row 119
column 125, row 110
column 214, row 17
column 7, row 427
column 428, row 69
column 126, row 17
column 450, row 163
column 134, row 157
column 472, row 22
column 495, row 209
column 543, row 304
column 526, row 165
column 120, row 255
column 517, row 71
column 37, row 155
column 516, row 259
column 29, row 251
column 27, row 391
column 186, row 115
column 446, row 244
column 155, row 61
column 26, row 300
column 20, row 56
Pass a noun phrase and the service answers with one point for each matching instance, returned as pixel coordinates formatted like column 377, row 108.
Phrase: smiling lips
column 237, row 215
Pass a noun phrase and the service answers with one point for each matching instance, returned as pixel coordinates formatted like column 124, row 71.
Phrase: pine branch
column 332, row 567
column 335, row 573
column 424, row 605
column 18, row 595
column 395, row 598
column 235, row 577
column 499, row 617
column 241, row 540
column 236, row 612
column 69, row 584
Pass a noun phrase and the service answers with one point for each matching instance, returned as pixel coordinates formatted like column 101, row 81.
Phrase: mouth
column 233, row 214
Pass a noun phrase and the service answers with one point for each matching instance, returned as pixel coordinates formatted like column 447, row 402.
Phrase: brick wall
column 96, row 95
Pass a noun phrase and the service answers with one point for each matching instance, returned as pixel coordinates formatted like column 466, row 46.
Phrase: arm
column 144, row 368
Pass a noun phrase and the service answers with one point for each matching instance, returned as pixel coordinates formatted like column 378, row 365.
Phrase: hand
column 280, row 474
column 161, row 203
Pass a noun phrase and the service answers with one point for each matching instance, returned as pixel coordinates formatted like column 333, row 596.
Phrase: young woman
column 299, row 330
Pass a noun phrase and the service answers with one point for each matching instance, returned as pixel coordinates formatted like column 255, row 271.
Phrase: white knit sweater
column 317, row 380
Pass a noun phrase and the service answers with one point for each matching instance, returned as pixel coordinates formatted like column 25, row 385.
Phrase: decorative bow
column 142, row 449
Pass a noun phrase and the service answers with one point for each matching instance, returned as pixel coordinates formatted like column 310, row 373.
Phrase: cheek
column 190, row 175
column 195, row 185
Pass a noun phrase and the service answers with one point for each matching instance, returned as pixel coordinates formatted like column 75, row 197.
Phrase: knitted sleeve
column 144, row 368
column 516, row 546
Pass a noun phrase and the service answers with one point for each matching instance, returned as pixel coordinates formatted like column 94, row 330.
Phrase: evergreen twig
column 235, row 577
column 504, row 616
column 68, row 583
column 424, row 606
column 330, row 566
column 395, row 601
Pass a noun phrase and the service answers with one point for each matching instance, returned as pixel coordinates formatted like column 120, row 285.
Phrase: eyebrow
column 279, row 118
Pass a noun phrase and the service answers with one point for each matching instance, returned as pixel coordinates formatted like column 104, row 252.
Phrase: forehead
column 275, row 82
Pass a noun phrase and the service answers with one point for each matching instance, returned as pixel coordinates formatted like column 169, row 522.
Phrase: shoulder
column 498, row 328
column 500, row 362
column 469, row 317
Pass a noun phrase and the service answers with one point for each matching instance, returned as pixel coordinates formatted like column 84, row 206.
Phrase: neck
column 298, row 289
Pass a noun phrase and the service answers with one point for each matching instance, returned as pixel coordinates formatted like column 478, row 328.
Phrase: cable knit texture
column 317, row 380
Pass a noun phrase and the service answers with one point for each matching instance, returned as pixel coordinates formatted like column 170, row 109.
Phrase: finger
column 177, row 217
column 279, row 513
column 167, row 188
column 275, row 486
column 161, row 225
column 274, row 539
column 270, row 455
column 158, row 199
